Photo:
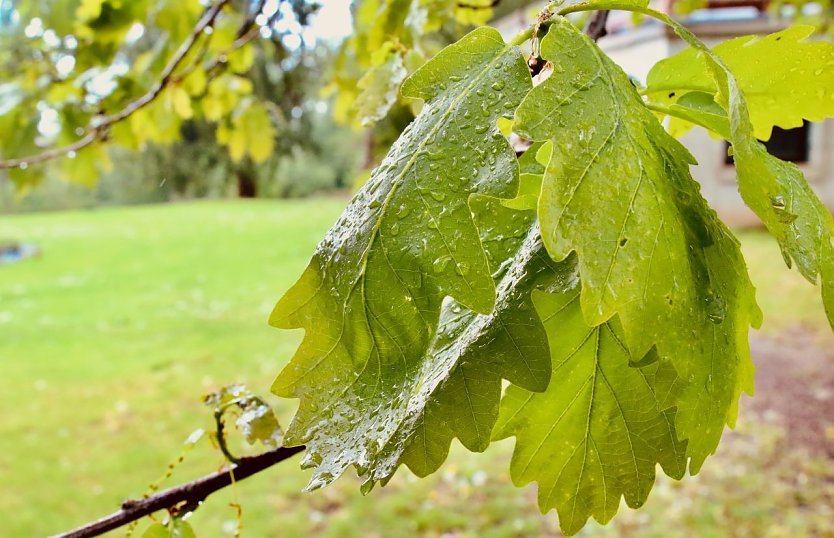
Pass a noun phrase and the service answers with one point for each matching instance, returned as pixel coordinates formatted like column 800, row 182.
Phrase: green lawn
column 108, row 340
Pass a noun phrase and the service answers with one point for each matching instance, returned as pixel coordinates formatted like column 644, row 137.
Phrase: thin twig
column 469, row 5
column 595, row 29
column 251, row 19
column 244, row 34
column 185, row 497
column 98, row 127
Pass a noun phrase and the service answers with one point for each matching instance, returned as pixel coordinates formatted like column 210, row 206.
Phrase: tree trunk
column 247, row 183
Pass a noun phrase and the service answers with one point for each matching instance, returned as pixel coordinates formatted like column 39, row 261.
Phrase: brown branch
column 244, row 34
column 220, row 59
column 468, row 5
column 185, row 497
column 98, row 127
column 595, row 28
column 251, row 19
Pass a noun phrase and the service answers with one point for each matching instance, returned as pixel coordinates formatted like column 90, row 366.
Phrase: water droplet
column 716, row 307
column 437, row 195
column 395, row 228
column 441, row 263
column 462, row 268
column 497, row 85
column 403, row 211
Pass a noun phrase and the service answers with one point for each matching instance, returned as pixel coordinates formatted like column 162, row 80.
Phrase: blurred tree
column 170, row 78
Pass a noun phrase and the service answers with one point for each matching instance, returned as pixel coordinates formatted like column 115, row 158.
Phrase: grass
column 131, row 314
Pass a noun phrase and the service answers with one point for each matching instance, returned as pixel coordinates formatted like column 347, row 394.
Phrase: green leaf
column 251, row 132
column 157, row 530
column 775, row 190
column 531, row 165
column 827, row 278
column 784, row 78
column 379, row 88
column 83, row 166
column 481, row 350
column 371, row 297
column 696, row 108
column 599, row 430
column 617, row 191
column 181, row 529
column 181, row 102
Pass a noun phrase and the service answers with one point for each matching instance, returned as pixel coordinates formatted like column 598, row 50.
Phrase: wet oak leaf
column 776, row 190
column 482, row 350
column 601, row 428
column 370, row 300
column 784, row 77
column 617, row 191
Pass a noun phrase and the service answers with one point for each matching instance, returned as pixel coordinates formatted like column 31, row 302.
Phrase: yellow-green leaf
column 379, row 87
column 784, row 77
column 601, row 427
column 181, row 102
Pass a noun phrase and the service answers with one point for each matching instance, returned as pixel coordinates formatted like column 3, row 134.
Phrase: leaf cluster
column 69, row 65
column 589, row 273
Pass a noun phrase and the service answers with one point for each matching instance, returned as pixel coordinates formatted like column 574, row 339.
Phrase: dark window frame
column 793, row 145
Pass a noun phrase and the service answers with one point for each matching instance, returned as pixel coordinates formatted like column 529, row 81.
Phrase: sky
column 333, row 20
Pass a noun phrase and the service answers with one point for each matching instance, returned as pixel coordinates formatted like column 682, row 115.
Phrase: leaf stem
column 663, row 109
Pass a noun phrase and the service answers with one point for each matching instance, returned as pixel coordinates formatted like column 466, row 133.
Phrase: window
column 787, row 144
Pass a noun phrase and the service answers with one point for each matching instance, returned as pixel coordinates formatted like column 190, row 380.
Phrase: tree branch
column 98, row 126
column 188, row 495
column 468, row 5
column 251, row 19
column 595, row 28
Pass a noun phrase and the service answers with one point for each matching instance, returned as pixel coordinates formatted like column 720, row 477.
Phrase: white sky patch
column 48, row 124
column 333, row 20
column 64, row 65
column 292, row 41
column 51, row 38
column 135, row 33
column 270, row 7
column 34, row 28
